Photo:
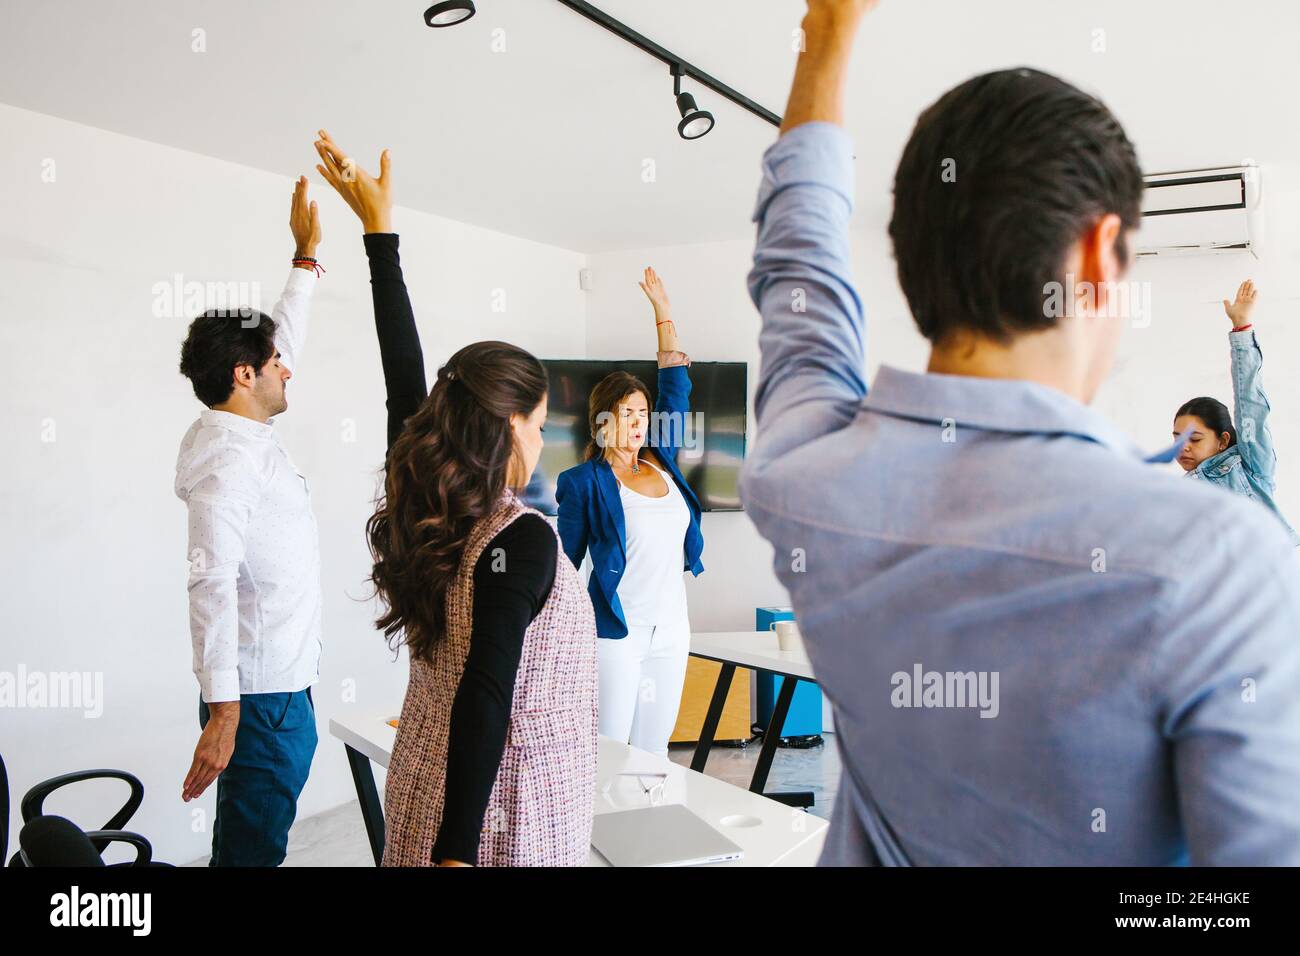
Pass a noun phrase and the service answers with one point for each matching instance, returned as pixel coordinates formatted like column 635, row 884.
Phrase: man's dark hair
column 1000, row 177
column 219, row 341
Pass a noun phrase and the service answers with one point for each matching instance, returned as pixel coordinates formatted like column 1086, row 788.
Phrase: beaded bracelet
column 309, row 261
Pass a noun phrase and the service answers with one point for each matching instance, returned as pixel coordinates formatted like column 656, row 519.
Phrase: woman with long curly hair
column 495, row 758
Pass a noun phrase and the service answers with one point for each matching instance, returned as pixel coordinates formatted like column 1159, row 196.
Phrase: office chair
column 56, row 841
column 4, row 810
column 32, row 808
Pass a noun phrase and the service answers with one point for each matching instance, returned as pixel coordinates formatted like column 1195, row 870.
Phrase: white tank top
column 653, row 589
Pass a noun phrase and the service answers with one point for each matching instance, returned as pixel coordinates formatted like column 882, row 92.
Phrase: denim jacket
column 1248, row 467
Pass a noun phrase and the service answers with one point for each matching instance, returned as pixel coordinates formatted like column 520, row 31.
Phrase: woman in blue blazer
column 629, row 506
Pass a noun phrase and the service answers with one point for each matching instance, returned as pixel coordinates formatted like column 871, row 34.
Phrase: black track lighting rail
column 674, row 62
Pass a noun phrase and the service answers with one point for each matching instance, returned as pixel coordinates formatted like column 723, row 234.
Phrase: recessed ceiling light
column 449, row 13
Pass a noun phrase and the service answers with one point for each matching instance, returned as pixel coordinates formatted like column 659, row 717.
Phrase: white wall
column 93, row 559
column 1180, row 353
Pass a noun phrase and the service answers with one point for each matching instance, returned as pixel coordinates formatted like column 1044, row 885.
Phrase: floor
column 338, row 837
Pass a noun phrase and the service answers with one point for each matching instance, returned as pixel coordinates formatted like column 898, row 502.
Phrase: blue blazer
column 591, row 512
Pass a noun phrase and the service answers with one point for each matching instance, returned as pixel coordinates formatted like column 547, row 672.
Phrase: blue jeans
column 257, row 793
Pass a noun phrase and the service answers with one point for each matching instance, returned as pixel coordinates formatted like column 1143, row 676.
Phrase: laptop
column 660, row 836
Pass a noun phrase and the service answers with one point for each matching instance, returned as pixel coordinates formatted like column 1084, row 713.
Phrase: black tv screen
column 713, row 437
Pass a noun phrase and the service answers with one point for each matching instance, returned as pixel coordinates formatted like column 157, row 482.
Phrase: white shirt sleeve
column 224, row 488
column 290, row 315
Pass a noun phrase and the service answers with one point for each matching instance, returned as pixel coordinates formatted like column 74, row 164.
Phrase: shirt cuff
column 672, row 359
column 816, row 154
column 1243, row 339
column 218, row 686
column 301, row 280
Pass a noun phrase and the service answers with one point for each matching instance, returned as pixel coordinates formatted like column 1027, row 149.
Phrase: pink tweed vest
column 540, row 810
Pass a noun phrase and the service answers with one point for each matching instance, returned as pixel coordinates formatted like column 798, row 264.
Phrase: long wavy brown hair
column 446, row 470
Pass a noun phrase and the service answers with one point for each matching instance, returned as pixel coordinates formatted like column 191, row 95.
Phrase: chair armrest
column 34, row 801
column 144, row 849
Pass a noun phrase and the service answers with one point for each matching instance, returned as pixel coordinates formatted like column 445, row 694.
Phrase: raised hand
column 670, row 352
column 1240, row 308
column 370, row 198
column 304, row 221
column 821, row 73
column 653, row 287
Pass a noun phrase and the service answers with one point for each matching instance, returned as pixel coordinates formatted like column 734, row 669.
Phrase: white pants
column 641, row 679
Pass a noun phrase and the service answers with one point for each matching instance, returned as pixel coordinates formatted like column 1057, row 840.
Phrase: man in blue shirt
column 1040, row 649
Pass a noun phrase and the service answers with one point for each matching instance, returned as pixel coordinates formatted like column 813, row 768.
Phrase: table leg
column 705, row 743
column 372, row 811
column 771, row 737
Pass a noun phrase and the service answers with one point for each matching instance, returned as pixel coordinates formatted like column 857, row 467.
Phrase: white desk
column 761, row 651
column 770, row 833
column 756, row 649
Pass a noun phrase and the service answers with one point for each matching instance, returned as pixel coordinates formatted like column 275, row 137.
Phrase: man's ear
column 245, row 375
column 1101, row 261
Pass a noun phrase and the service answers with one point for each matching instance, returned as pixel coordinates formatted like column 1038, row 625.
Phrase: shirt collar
column 994, row 404
column 236, row 423
column 1219, row 464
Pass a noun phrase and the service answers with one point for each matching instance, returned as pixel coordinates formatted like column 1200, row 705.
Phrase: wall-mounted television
column 713, row 437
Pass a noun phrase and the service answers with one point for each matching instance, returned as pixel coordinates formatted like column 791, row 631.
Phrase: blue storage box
column 805, row 716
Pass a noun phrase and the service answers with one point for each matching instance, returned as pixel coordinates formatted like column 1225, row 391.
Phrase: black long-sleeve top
column 512, row 580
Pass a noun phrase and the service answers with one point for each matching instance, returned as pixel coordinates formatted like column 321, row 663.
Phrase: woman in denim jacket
column 1235, row 451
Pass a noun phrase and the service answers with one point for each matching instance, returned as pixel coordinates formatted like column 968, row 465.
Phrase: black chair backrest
column 55, row 841
column 4, row 811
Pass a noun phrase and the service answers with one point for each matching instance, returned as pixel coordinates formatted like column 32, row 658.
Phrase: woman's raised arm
column 1250, row 408
column 669, row 353
column 399, row 340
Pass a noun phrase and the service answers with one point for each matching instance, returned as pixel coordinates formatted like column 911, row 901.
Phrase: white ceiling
column 547, row 139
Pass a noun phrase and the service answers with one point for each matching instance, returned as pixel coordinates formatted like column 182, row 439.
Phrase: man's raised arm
column 290, row 313
column 812, row 376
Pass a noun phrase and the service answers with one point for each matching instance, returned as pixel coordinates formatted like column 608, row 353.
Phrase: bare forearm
column 821, row 75
column 226, row 711
column 667, row 332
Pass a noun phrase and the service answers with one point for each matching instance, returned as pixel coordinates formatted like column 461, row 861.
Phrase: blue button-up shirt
column 1040, row 649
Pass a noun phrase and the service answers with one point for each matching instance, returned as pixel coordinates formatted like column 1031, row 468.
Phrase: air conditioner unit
column 1199, row 212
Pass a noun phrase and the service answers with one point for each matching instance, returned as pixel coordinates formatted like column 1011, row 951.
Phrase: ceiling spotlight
column 695, row 121
column 449, row 13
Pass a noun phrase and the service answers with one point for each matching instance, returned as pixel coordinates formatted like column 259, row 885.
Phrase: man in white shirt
column 254, row 553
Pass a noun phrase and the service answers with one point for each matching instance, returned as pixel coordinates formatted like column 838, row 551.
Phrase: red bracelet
column 664, row 322
column 1248, row 325
column 308, row 261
